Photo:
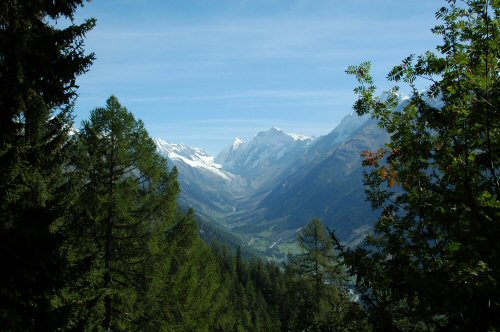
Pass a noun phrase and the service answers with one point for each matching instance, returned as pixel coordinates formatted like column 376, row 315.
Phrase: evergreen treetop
column 39, row 63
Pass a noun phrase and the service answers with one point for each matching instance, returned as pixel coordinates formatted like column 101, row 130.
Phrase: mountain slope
column 265, row 189
column 194, row 157
column 331, row 190
column 205, row 186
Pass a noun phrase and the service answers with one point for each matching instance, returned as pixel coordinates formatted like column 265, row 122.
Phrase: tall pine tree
column 38, row 67
column 126, row 206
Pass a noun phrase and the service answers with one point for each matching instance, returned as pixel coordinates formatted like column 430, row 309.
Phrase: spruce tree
column 39, row 63
column 433, row 262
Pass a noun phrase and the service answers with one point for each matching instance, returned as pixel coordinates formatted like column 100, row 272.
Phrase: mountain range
column 265, row 189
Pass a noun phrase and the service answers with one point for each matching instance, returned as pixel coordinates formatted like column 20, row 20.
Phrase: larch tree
column 317, row 260
column 127, row 203
column 321, row 286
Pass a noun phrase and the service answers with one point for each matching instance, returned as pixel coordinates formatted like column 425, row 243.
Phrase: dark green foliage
column 264, row 296
column 91, row 238
column 186, row 290
column 126, row 205
column 210, row 232
column 433, row 262
column 317, row 283
column 252, row 294
column 38, row 67
column 318, row 262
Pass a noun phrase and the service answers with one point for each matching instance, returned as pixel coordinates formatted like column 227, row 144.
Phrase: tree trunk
column 108, row 278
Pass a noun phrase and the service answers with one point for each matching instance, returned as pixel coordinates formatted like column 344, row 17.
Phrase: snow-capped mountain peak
column 299, row 137
column 194, row 157
column 270, row 151
column 277, row 132
column 237, row 143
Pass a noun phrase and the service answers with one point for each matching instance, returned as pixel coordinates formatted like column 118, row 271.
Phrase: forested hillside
column 92, row 237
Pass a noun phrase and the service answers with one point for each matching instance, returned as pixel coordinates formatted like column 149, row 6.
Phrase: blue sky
column 202, row 72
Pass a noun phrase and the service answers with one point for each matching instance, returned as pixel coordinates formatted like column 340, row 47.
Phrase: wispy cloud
column 252, row 39
column 205, row 71
column 281, row 96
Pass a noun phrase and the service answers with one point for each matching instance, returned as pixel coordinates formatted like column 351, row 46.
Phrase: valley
column 264, row 190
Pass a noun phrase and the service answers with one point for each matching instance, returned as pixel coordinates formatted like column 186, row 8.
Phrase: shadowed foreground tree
column 433, row 262
column 39, row 63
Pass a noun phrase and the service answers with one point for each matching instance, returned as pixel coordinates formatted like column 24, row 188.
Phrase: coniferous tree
column 318, row 260
column 127, row 204
column 185, row 296
column 224, row 315
column 433, row 262
column 321, row 287
column 252, row 299
column 38, row 66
